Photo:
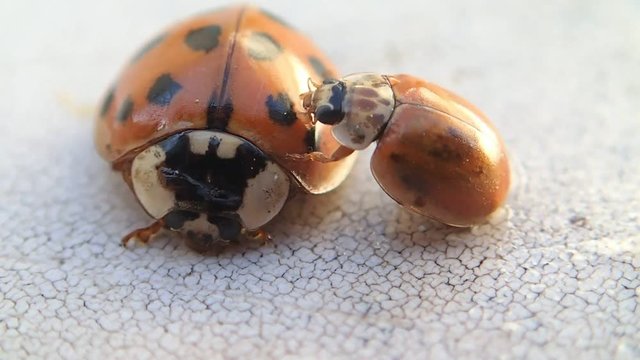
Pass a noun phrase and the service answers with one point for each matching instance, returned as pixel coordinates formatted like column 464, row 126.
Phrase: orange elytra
column 201, row 119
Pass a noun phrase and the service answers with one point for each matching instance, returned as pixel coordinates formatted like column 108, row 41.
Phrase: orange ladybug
column 201, row 119
column 437, row 154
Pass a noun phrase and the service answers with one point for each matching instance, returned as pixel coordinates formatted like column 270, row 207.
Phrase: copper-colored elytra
column 437, row 154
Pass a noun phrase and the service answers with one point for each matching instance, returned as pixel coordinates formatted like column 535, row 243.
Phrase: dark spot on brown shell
column 125, row 111
column 405, row 169
column 413, row 182
column 445, row 152
column 204, row 38
column 280, row 109
column 395, row 157
column 163, row 90
column 261, row 46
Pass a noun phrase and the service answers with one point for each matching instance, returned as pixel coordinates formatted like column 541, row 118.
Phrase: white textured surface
column 349, row 273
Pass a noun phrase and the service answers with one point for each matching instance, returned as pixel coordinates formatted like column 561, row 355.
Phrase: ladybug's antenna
column 312, row 85
column 306, row 99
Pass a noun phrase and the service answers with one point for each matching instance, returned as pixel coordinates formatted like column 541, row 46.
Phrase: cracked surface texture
column 555, row 275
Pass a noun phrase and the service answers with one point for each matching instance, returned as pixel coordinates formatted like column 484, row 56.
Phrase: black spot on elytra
column 163, row 90
column 275, row 18
column 218, row 115
column 204, row 39
column 261, row 46
column 332, row 113
column 310, row 139
column 148, row 46
column 206, row 183
column 125, row 110
column 106, row 104
column 319, row 67
column 175, row 219
column 281, row 109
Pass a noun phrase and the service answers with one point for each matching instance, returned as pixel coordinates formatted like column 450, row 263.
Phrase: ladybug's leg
column 340, row 153
column 143, row 235
column 259, row 235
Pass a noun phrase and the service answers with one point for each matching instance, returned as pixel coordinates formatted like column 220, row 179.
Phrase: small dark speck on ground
column 578, row 220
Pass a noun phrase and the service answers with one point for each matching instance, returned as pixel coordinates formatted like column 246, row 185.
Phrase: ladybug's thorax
column 358, row 107
column 205, row 182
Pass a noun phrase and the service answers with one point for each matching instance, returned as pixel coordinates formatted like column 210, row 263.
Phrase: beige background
column 350, row 273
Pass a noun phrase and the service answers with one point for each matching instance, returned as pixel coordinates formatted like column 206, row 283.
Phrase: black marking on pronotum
column 148, row 46
column 275, row 18
column 319, row 67
column 281, row 109
column 106, row 104
column 175, row 219
column 332, row 113
column 206, row 183
column 125, row 110
column 218, row 116
column 163, row 90
column 261, row 46
column 210, row 194
column 204, row 38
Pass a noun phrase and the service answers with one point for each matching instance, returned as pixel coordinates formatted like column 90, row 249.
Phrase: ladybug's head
column 326, row 101
column 358, row 107
column 209, row 184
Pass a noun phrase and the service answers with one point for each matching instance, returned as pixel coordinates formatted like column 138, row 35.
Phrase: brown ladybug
column 437, row 154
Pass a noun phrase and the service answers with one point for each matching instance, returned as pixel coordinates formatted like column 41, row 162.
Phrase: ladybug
column 201, row 119
column 437, row 154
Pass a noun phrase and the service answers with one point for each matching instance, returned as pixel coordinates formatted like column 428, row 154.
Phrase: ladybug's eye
column 329, row 105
